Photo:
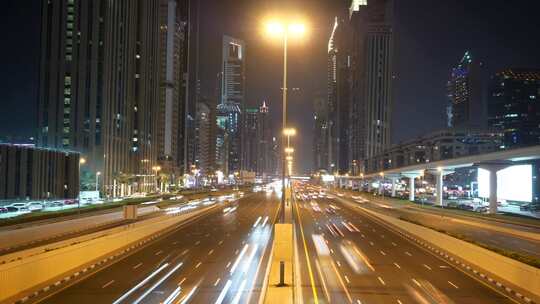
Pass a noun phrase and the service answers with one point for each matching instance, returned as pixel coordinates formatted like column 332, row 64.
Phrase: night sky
column 431, row 37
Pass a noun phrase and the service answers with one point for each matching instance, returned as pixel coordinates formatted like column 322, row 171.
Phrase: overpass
column 493, row 162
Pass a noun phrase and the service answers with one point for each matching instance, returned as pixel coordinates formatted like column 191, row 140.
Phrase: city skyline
column 409, row 17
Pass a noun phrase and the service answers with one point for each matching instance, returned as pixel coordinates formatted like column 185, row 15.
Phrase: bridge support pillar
column 412, row 176
column 439, row 192
column 493, row 168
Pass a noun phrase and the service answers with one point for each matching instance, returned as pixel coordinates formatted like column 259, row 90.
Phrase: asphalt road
column 361, row 261
column 460, row 226
column 219, row 258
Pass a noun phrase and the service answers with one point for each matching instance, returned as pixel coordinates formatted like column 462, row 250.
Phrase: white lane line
column 149, row 290
column 454, row 285
column 407, row 253
column 382, row 252
column 394, row 244
column 429, row 268
column 371, row 243
column 399, row 302
column 107, row 284
column 347, row 279
column 228, row 264
column 257, row 222
column 184, row 252
column 338, row 263
column 220, row 242
column 210, row 252
column 198, row 265
column 148, row 278
column 217, row 282
column 416, row 282
column 223, row 292
column 197, row 243
column 397, row 265
column 264, row 222
column 159, row 252
column 137, row 266
column 381, row 280
column 182, row 281
column 444, row 266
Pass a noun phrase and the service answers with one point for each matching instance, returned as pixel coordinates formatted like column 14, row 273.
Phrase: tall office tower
column 205, row 142
column 232, row 102
column 372, row 51
column 466, row 94
column 192, row 82
column 264, row 138
column 70, row 97
column 173, row 58
column 514, row 106
column 250, row 139
column 131, row 91
column 321, row 135
column 339, row 98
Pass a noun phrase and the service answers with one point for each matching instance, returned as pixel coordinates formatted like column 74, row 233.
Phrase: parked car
column 3, row 210
column 71, row 202
column 35, row 206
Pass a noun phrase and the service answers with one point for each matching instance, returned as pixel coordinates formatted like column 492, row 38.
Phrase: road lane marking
column 217, row 282
column 454, row 285
column 341, row 282
column 397, row 265
column 159, row 252
column 429, row 268
column 394, row 244
column 338, row 263
column 210, row 252
column 444, row 266
column 347, row 279
column 381, row 280
column 198, row 265
column 182, row 281
column 137, row 266
column 197, row 243
column 311, row 279
column 382, row 252
column 399, row 302
column 107, row 284
column 184, row 252
column 371, row 243
column 228, row 264
column 220, row 242
column 407, row 253
column 416, row 282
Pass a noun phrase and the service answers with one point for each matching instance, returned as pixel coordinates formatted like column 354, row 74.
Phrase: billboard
column 513, row 183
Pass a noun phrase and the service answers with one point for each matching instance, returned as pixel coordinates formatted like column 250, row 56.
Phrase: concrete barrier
column 20, row 276
column 520, row 276
column 282, row 252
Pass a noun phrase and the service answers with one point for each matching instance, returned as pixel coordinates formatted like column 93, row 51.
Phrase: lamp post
column 156, row 170
column 82, row 161
column 283, row 30
column 97, row 180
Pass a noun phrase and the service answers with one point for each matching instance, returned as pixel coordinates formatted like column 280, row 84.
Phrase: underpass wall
column 20, row 276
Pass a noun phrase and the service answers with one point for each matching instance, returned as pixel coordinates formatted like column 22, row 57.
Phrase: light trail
column 233, row 268
column 223, row 292
column 148, row 278
column 173, row 296
column 236, row 299
column 148, row 291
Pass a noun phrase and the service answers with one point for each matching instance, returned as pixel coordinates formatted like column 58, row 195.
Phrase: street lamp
column 82, row 161
column 97, row 179
column 289, row 150
column 156, row 170
column 284, row 30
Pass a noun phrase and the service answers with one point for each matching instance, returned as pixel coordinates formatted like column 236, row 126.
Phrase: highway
column 354, row 259
column 219, row 258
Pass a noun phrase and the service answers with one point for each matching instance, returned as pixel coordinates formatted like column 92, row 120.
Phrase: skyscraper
column 360, row 77
column 173, row 59
column 466, row 94
column 321, row 136
column 250, row 139
column 204, row 124
column 131, row 90
column 514, row 106
column 339, row 96
column 99, row 84
column 229, row 113
column 71, row 101
column 264, row 138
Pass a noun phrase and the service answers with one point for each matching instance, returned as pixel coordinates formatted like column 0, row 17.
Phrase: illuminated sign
column 513, row 183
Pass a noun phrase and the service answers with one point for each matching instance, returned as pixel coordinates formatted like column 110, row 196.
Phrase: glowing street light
column 289, row 158
column 289, row 150
column 97, row 180
column 289, row 132
column 282, row 29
